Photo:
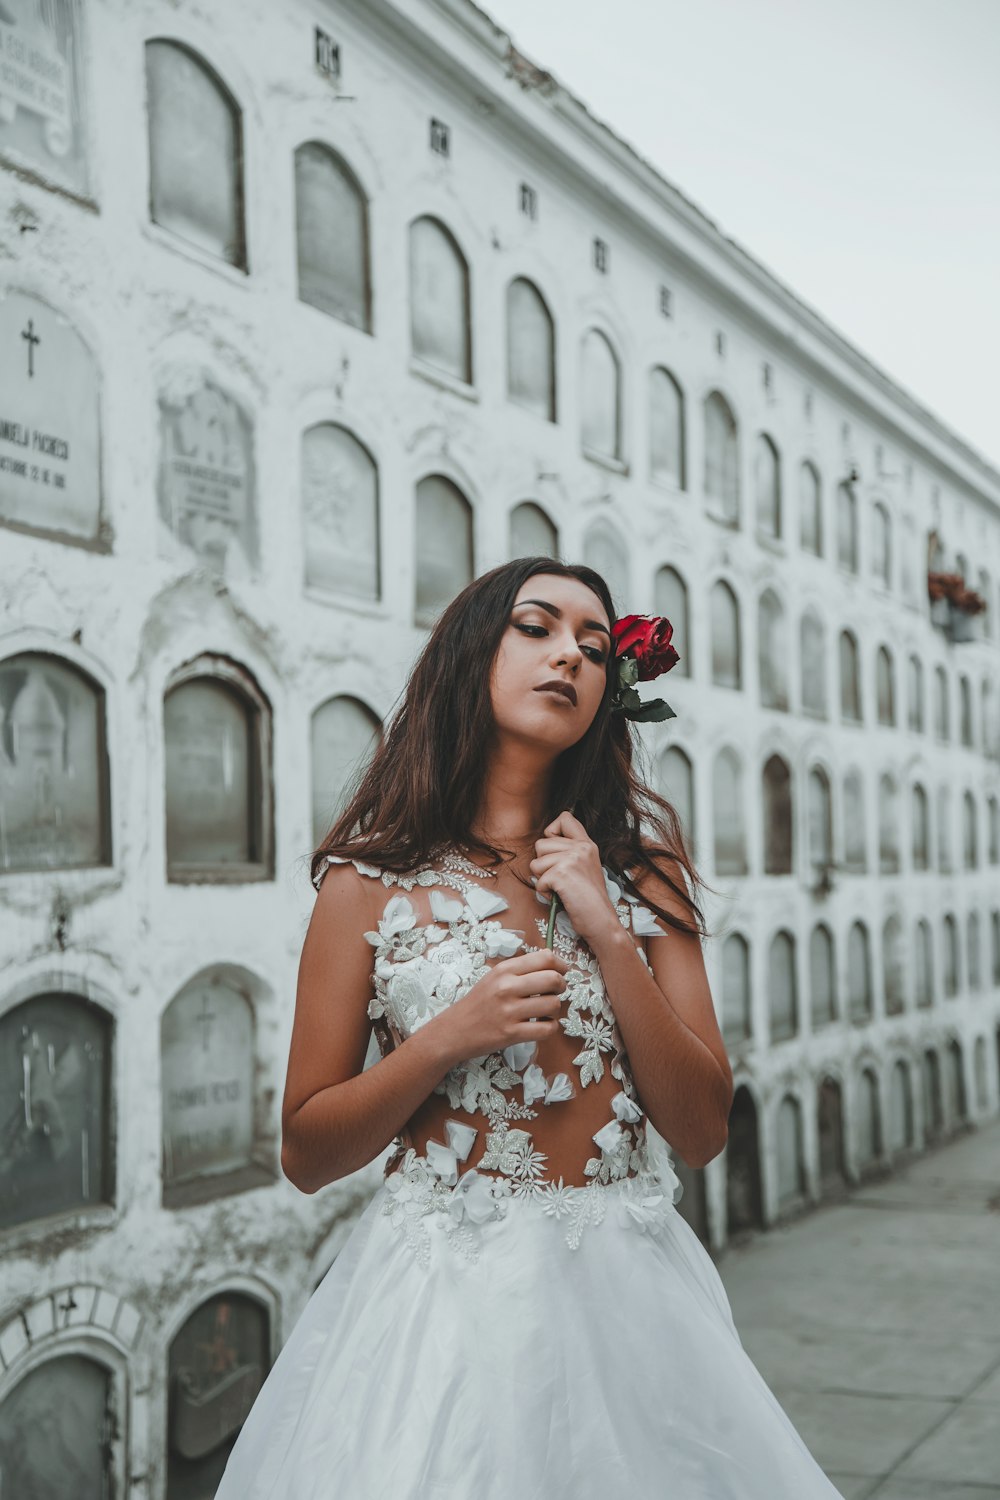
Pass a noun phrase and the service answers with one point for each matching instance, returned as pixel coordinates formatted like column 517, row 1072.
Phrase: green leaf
column 628, row 671
column 653, row 712
column 630, row 698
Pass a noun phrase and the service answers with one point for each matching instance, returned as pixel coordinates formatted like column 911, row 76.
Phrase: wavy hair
column 420, row 791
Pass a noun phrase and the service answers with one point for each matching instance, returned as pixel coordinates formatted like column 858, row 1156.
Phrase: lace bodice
column 437, row 935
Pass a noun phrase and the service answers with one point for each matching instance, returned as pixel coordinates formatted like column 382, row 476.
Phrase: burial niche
column 41, row 89
column 340, row 505
column 55, row 1072
column 206, row 490
column 443, row 545
column 531, row 379
column 58, row 1432
column 532, row 534
column 208, row 1067
column 216, row 750
column 53, row 767
column 743, row 1194
column 216, row 1366
column 345, row 734
column 195, row 152
column 331, row 220
column 50, row 430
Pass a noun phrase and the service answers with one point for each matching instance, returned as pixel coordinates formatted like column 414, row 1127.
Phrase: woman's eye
column 594, row 653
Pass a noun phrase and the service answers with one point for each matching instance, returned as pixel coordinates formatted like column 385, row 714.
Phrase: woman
column 520, row 1311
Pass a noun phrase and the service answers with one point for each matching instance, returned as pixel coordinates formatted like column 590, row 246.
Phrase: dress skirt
column 528, row 1370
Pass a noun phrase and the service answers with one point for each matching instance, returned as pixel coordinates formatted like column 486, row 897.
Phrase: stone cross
column 33, row 339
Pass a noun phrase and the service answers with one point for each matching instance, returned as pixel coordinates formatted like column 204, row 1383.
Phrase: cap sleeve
column 339, row 859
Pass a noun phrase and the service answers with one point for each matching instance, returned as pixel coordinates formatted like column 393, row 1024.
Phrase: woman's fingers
column 567, row 825
column 543, row 959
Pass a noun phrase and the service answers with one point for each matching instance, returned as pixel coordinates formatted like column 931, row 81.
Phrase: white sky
column 851, row 146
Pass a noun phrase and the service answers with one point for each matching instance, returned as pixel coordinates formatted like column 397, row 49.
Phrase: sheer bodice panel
column 561, row 1112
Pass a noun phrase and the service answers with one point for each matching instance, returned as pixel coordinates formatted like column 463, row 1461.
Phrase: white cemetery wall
column 197, row 526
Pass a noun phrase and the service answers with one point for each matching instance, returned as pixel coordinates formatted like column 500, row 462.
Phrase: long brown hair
column 421, row 790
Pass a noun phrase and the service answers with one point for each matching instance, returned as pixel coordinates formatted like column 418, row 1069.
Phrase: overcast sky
column 852, row 146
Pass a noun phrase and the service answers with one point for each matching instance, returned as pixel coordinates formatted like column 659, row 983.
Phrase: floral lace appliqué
column 422, row 968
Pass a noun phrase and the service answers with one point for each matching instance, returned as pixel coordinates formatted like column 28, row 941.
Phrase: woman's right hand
column 502, row 1007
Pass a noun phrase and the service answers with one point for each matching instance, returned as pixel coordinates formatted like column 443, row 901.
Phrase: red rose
column 646, row 638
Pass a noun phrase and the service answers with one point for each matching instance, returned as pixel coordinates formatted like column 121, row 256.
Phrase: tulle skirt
column 534, row 1371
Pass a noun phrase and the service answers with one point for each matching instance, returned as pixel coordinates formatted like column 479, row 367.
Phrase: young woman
column 519, row 1313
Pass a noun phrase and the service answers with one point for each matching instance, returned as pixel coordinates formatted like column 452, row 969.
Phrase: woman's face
column 558, row 631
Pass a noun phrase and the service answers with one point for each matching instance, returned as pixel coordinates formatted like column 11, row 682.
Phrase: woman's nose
column 568, row 651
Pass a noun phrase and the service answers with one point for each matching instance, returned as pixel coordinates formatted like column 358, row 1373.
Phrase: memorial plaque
column 54, row 1068
column 41, row 76
column 206, row 485
column 737, row 1007
column 813, row 650
column 821, row 978
column 439, row 300
column 530, row 350
column 671, row 599
column 443, row 546
column 725, row 630
column 195, row 152
column 209, row 767
column 789, row 1134
column 859, row 986
column 53, row 792
column 340, row 512
column 50, row 444
column 855, row 823
column 773, row 652
column 216, row 1368
column 606, row 554
column 666, row 428
column 55, row 1432
column 728, row 814
column 344, row 735
column 675, row 782
column 206, row 1037
column 331, row 218
column 600, row 396
column 532, row 533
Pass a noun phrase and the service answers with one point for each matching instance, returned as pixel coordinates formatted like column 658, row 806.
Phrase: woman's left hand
column 568, row 862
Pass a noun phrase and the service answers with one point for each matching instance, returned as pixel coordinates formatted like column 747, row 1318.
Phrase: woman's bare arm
column 335, row 1117
column 667, row 1019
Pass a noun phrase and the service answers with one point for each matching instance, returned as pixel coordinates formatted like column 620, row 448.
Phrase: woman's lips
column 564, row 690
column 554, row 692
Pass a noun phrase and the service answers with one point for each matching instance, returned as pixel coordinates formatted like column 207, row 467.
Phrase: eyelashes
column 595, row 652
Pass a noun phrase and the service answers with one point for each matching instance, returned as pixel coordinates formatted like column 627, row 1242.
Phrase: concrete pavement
column 876, row 1322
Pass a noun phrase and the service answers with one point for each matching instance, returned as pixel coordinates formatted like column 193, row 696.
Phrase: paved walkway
column 876, row 1322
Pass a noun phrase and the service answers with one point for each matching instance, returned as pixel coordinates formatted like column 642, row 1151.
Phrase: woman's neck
column 513, row 798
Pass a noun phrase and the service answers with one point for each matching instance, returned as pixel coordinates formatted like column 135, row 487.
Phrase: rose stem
column 553, row 908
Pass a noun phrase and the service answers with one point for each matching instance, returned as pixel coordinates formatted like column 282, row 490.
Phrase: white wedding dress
column 541, row 1323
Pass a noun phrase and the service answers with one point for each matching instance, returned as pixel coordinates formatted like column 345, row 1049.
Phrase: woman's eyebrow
column 556, row 612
